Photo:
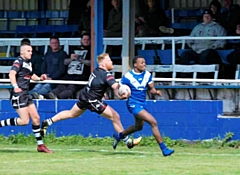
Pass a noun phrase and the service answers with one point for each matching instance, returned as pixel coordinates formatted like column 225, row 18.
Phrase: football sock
column 162, row 146
column 49, row 121
column 9, row 122
column 125, row 138
column 36, row 131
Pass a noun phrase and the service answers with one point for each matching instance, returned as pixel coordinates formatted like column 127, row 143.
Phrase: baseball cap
column 207, row 12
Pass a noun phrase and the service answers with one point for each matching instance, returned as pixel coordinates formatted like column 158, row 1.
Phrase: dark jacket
column 155, row 18
column 53, row 64
column 114, row 21
column 36, row 61
column 230, row 18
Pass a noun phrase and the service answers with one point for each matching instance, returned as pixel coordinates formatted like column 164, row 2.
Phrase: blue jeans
column 41, row 88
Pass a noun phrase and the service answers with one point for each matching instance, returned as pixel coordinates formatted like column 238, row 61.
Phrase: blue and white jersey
column 138, row 83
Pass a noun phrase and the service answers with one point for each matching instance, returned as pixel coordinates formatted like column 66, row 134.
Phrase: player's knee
column 36, row 120
column 116, row 117
column 23, row 122
column 154, row 123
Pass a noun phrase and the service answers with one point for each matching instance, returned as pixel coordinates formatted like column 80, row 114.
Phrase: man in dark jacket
column 53, row 67
column 230, row 17
column 114, row 25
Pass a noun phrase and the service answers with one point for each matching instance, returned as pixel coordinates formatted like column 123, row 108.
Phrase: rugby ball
column 124, row 89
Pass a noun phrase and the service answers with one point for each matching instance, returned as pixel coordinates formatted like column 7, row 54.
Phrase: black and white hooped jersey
column 98, row 83
column 24, row 72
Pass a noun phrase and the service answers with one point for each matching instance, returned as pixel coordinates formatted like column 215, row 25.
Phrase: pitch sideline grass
column 103, row 160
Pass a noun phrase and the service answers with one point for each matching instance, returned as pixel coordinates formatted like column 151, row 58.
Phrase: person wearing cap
column 204, row 51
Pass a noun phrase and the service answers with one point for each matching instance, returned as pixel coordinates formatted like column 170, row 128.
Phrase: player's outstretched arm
column 153, row 91
column 115, row 87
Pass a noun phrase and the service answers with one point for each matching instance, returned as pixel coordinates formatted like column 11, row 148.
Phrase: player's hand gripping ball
column 124, row 90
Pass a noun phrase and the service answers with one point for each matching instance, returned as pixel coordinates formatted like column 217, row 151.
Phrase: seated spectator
column 114, row 24
column 230, row 17
column 215, row 7
column 204, row 51
column 234, row 57
column 78, row 70
column 153, row 22
column 53, row 68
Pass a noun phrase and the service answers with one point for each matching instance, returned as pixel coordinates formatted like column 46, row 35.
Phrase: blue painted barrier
column 177, row 119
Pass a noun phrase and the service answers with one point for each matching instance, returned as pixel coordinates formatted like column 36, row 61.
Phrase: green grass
column 103, row 160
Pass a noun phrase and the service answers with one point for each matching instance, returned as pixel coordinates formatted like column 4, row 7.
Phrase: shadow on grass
column 15, row 151
column 108, row 152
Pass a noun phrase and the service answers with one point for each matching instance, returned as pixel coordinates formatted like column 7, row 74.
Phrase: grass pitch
column 103, row 160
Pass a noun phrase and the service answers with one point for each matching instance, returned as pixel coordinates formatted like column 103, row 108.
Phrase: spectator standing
column 230, row 17
column 114, row 24
column 85, row 20
column 215, row 6
column 53, row 67
column 78, row 70
column 204, row 51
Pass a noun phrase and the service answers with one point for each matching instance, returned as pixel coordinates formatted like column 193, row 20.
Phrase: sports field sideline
column 89, row 160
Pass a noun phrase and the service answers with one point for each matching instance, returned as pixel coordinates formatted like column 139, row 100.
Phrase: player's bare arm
column 12, row 77
column 153, row 91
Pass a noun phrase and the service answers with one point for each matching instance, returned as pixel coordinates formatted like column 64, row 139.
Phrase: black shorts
column 21, row 100
column 96, row 105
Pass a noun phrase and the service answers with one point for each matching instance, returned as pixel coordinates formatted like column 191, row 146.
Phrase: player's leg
column 144, row 115
column 112, row 115
column 131, row 129
column 21, row 121
column 19, row 102
column 67, row 114
column 36, row 128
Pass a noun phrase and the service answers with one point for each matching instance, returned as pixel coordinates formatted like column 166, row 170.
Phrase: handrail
column 154, row 79
column 113, row 41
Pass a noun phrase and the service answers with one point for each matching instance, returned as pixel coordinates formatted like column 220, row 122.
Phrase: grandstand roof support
column 128, row 34
column 96, row 31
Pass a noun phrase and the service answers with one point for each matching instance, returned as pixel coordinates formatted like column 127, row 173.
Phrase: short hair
column 102, row 56
column 25, row 44
column 85, row 34
column 25, row 41
column 54, row 37
column 135, row 59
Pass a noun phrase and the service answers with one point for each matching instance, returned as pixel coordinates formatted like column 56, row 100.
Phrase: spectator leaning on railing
column 204, row 51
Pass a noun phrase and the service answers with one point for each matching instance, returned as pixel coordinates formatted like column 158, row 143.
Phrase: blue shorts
column 135, row 108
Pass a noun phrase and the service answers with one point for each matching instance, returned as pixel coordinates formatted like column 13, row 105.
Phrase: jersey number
column 92, row 76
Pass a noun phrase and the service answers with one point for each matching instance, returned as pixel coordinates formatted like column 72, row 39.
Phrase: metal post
column 96, row 31
column 128, row 34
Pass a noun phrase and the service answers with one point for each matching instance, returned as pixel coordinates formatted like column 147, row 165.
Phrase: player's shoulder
column 19, row 60
column 147, row 73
